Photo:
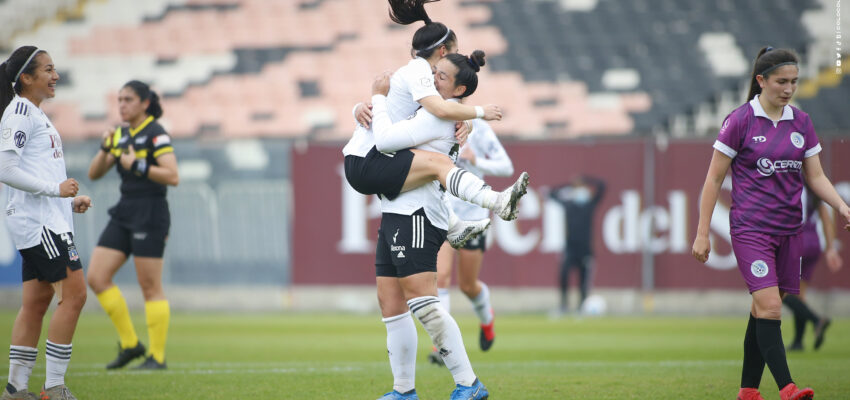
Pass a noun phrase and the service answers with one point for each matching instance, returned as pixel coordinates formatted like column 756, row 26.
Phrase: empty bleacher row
column 294, row 68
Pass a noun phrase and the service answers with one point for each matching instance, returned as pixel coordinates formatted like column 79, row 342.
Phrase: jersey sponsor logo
column 759, row 268
column 797, row 140
column 20, row 139
column 140, row 140
column 161, row 140
column 55, row 141
column 759, row 139
column 766, row 167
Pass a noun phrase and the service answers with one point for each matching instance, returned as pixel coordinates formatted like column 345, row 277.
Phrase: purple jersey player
column 769, row 145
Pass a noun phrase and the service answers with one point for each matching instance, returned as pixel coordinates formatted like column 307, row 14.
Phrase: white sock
column 481, row 304
column 445, row 299
column 468, row 187
column 21, row 361
column 58, row 357
column 401, row 348
column 445, row 335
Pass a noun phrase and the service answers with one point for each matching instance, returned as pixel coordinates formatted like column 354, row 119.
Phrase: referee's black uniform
column 140, row 221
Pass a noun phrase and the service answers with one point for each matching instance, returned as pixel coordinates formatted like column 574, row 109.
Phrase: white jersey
column 490, row 159
column 27, row 131
column 408, row 85
column 426, row 132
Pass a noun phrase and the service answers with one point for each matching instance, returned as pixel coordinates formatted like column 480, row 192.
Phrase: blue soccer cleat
column 394, row 395
column 475, row 392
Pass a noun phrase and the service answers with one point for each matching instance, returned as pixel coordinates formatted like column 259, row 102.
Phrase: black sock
column 769, row 335
column 800, row 308
column 753, row 361
column 799, row 329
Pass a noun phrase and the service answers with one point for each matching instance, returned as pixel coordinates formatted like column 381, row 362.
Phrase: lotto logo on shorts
column 759, row 268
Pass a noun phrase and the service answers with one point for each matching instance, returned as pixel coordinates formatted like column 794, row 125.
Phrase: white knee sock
column 482, row 306
column 445, row 298
column 466, row 186
column 21, row 361
column 445, row 335
column 58, row 357
column 401, row 348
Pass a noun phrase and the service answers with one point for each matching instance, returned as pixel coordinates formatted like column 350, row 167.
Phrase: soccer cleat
column 151, row 363
column 475, row 392
column 435, row 358
column 58, row 392
column 792, row 392
column 395, row 395
column 749, row 394
column 126, row 355
column 19, row 395
column 487, row 336
column 506, row 203
column 464, row 231
column 820, row 330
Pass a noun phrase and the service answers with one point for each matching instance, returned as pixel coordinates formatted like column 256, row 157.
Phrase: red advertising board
column 335, row 227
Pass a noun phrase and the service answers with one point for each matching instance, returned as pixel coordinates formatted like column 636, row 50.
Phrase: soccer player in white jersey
column 483, row 154
column 413, row 227
column 38, row 215
column 371, row 172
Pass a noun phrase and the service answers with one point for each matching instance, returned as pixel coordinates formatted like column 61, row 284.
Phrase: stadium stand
column 293, row 69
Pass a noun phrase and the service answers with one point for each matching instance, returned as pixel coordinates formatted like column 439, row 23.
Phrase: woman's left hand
column 128, row 157
column 462, row 131
column 845, row 212
column 82, row 204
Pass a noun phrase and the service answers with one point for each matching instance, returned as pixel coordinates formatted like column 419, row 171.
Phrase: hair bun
column 476, row 60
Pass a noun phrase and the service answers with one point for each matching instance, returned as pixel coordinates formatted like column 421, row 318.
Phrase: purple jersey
column 767, row 161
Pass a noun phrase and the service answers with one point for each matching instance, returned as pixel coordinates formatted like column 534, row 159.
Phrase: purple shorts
column 767, row 260
column 811, row 253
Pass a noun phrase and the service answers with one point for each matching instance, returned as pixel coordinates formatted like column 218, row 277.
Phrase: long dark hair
column 766, row 62
column 467, row 70
column 428, row 38
column 14, row 65
column 145, row 93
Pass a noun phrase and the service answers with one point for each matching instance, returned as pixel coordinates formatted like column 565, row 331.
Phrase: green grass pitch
column 326, row 356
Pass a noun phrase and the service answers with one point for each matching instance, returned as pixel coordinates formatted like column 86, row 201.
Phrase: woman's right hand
column 363, row 114
column 69, row 188
column 492, row 112
column 702, row 247
column 381, row 85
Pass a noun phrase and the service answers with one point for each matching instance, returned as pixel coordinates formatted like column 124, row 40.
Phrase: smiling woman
column 39, row 219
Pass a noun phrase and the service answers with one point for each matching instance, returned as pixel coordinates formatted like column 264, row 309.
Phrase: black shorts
column 407, row 245
column 138, row 227
column 478, row 243
column 378, row 173
column 48, row 261
column 576, row 260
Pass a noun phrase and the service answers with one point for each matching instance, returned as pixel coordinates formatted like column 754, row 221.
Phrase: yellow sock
column 115, row 306
column 158, row 314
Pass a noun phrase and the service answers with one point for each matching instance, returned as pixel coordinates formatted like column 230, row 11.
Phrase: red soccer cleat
column 749, row 394
column 792, row 392
column 485, row 339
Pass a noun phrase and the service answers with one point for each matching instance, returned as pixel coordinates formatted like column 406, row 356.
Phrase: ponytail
column 19, row 63
column 428, row 38
column 145, row 93
column 767, row 60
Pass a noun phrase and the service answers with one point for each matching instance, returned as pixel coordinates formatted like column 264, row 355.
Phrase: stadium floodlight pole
column 647, row 255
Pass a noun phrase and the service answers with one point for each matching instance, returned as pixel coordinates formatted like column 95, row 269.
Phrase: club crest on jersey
column 759, row 268
column 72, row 253
column 798, row 140
column 20, row 139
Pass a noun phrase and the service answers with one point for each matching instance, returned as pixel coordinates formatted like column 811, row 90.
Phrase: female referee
column 769, row 145
column 139, row 223
column 38, row 216
column 482, row 154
